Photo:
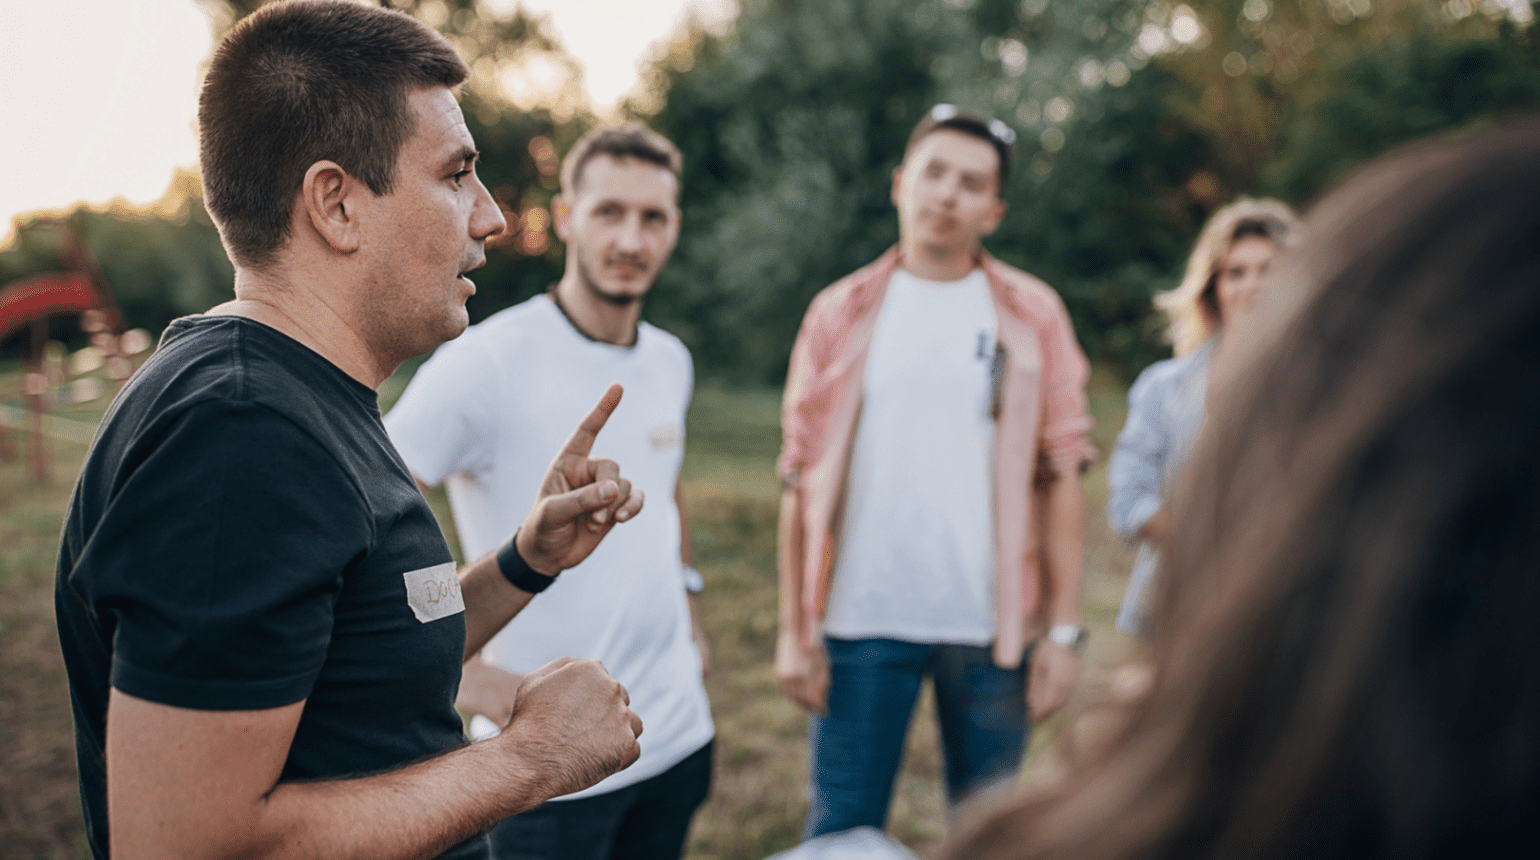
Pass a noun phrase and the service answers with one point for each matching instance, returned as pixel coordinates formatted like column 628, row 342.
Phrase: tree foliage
column 1134, row 124
column 1135, row 120
column 167, row 261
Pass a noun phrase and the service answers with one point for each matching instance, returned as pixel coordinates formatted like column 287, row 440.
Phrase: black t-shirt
column 243, row 535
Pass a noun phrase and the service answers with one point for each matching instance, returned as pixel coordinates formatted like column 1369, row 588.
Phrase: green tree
column 1135, row 119
column 791, row 125
column 167, row 261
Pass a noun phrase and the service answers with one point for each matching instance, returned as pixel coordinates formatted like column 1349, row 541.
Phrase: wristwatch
column 1071, row 636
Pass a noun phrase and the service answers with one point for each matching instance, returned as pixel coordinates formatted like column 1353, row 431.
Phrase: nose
column 629, row 238
column 486, row 217
column 949, row 191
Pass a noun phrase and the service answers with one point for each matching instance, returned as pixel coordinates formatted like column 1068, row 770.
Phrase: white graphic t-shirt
column 486, row 414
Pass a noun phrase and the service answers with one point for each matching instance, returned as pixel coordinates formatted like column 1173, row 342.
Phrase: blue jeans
column 645, row 821
column 873, row 684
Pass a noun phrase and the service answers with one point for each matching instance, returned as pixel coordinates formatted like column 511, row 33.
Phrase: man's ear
column 561, row 215
column 329, row 199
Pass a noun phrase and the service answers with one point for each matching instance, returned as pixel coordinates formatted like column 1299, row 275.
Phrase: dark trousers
column 645, row 821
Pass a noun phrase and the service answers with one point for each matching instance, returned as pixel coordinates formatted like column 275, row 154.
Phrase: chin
column 622, row 295
column 455, row 325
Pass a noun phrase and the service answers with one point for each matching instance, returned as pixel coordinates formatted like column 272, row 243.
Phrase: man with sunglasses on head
column 935, row 428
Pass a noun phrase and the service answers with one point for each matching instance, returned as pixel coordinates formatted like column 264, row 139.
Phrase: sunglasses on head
column 997, row 129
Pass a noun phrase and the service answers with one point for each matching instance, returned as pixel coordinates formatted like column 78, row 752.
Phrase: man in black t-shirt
column 262, row 623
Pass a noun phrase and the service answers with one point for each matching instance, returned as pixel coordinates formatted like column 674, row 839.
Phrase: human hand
column 803, row 672
column 580, row 499
column 1157, row 529
column 1052, row 678
column 572, row 722
column 488, row 690
column 698, row 635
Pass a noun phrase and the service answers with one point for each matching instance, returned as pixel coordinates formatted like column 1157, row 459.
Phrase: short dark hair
column 300, row 82
column 969, row 123
column 627, row 140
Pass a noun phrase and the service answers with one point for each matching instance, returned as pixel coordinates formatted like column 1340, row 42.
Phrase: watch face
column 1069, row 635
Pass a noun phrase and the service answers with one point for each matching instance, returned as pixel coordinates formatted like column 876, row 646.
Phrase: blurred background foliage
column 1135, row 119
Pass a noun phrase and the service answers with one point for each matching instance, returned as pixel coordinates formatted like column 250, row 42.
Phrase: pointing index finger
column 582, row 439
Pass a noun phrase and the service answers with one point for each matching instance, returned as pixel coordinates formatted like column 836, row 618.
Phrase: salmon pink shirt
column 1042, row 415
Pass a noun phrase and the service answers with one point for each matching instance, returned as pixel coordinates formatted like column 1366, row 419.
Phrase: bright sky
column 100, row 96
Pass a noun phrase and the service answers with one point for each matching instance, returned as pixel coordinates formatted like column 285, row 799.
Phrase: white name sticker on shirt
column 665, row 436
column 434, row 592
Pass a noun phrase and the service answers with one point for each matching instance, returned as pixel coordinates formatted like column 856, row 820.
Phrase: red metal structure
column 79, row 291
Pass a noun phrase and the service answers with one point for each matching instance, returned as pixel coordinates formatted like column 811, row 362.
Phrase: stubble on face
column 622, row 228
column 592, row 286
column 436, row 230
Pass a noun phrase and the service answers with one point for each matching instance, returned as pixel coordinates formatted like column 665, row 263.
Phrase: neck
column 597, row 318
column 937, row 263
column 293, row 307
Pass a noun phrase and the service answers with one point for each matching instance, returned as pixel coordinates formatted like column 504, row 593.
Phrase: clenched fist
column 572, row 723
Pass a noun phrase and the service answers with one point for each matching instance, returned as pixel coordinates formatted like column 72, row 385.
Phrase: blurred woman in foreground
column 1166, row 403
column 1345, row 645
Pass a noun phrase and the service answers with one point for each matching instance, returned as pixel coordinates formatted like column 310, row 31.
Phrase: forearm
column 488, row 690
column 490, row 601
column 1063, row 548
column 789, row 545
column 205, row 784
column 417, row 812
column 686, row 545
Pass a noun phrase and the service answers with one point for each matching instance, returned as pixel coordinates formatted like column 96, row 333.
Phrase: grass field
column 759, row 796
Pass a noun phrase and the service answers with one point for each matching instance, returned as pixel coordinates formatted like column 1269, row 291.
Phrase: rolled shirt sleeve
column 799, row 422
column 1067, row 422
column 1138, row 460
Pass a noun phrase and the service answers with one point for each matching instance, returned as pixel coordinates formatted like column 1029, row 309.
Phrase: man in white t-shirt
column 481, row 415
column 932, row 521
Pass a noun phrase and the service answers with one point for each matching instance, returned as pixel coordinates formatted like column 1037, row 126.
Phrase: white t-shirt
column 487, row 413
column 916, row 551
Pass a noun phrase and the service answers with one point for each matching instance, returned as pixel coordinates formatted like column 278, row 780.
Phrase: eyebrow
column 617, row 201
column 461, row 156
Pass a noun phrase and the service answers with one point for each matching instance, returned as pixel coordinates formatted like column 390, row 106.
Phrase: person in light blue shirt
column 1166, row 402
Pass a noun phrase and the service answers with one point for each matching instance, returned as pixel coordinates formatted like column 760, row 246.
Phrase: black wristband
column 518, row 572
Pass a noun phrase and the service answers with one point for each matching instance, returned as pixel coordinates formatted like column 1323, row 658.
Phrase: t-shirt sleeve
column 220, row 558
column 445, row 421
column 799, row 426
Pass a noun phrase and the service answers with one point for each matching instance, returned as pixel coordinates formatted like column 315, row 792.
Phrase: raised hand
column 581, row 499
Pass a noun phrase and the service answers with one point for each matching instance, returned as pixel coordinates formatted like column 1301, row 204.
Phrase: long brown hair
column 1344, row 662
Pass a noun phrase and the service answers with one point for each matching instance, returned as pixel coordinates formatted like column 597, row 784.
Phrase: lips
column 940, row 220
column 477, row 263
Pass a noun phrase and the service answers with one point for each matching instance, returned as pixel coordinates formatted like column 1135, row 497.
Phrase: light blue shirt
column 1165, row 413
